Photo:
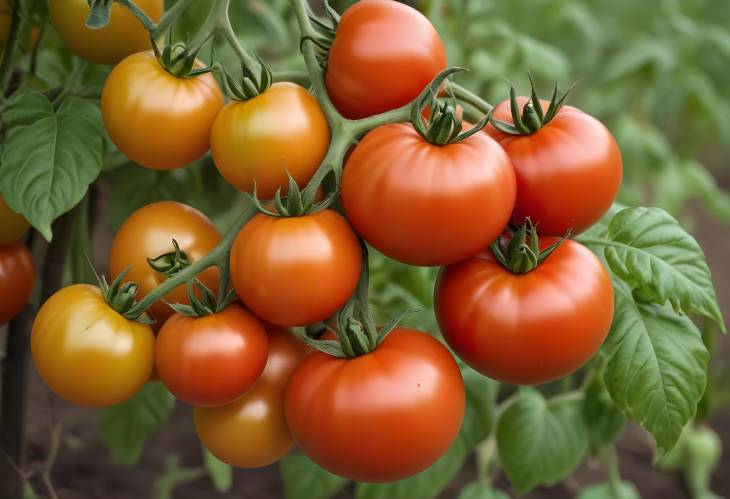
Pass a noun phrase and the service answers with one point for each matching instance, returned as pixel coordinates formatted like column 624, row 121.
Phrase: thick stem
column 171, row 16
column 468, row 97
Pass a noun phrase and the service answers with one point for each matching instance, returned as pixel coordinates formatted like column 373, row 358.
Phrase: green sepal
column 208, row 304
column 248, row 85
column 120, row 296
column 294, row 204
column 176, row 58
column 169, row 264
column 325, row 36
column 523, row 253
column 99, row 14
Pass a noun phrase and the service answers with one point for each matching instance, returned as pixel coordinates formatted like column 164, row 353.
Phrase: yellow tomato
column 12, row 225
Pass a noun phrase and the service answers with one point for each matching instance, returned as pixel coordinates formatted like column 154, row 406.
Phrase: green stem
column 610, row 461
column 6, row 67
column 468, row 97
column 224, row 267
column 215, row 257
column 36, row 49
column 171, row 16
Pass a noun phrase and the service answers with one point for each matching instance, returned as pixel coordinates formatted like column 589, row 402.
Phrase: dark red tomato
column 257, row 418
column 384, row 54
column 568, row 172
column 425, row 204
column 526, row 328
column 17, row 275
column 211, row 360
column 380, row 417
column 295, row 271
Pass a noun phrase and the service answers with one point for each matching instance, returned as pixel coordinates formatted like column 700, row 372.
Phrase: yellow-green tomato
column 124, row 35
column 86, row 352
column 261, row 139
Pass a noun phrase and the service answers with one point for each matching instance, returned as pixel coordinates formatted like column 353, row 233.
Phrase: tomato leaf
column 478, row 419
column 656, row 367
column 50, row 156
column 305, row 479
column 649, row 250
column 125, row 427
column 219, row 472
column 541, row 441
column 479, row 490
column 603, row 420
column 624, row 490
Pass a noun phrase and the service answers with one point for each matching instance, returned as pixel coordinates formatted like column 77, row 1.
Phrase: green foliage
column 220, row 473
column 304, row 479
column 478, row 490
column 174, row 476
column 623, row 490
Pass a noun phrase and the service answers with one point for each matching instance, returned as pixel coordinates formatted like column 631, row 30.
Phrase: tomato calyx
column 171, row 263
column 207, row 304
column 532, row 117
column 293, row 204
column 326, row 31
column 443, row 125
column 522, row 253
column 121, row 296
column 248, row 85
column 176, row 59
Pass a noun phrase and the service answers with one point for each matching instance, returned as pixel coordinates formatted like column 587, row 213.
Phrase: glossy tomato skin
column 384, row 54
column 124, row 35
column 148, row 233
column 211, row 360
column 568, row 172
column 425, row 204
column 252, row 431
column 12, row 225
column 86, row 352
column 295, row 271
column 380, row 417
column 282, row 130
column 531, row 328
column 156, row 119
column 17, row 276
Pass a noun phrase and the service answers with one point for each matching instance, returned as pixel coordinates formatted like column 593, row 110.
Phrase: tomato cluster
column 380, row 404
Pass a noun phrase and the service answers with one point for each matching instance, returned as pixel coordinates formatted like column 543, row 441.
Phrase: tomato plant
column 211, row 360
column 17, row 275
column 258, row 417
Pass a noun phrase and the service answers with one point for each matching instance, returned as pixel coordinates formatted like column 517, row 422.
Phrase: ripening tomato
column 17, row 276
column 426, row 204
column 294, row 271
column 12, row 225
column 526, row 328
column 211, row 360
column 383, row 56
column 86, row 352
column 261, row 139
column 252, row 431
column 124, row 35
column 568, row 172
column 148, row 233
column 156, row 119
column 379, row 417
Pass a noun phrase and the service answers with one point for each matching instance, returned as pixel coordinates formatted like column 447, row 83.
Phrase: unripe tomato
column 252, row 431
column 148, row 233
column 379, row 417
column 295, row 271
column 261, row 139
column 211, row 360
column 527, row 328
column 568, row 172
column 425, row 204
column 124, row 35
column 12, row 225
column 383, row 56
column 156, row 119
column 86, row 352
column 17, row 276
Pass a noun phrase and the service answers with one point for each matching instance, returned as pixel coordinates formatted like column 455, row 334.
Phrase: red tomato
column 384, row 54
column 211, row 360
column 17, row 276
column 379, row 417
column 568, row 172
column 252, row 431
column 294, row 271
column 526, row 328
column 425, row 204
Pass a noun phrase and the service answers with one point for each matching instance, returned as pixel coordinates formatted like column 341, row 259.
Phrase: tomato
column 526, row 328
column 156, row 119
column 86, row 352
column 124, row 35
column 384, row 54
column 211, row 360
column 12, row 225
column 425, row 204
column 261, row 139
column 295, row 271
column 5, row 11
column 568, row 172
column 252, row 431
column 382, row 416
column 148, row 233
column 17, row 276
